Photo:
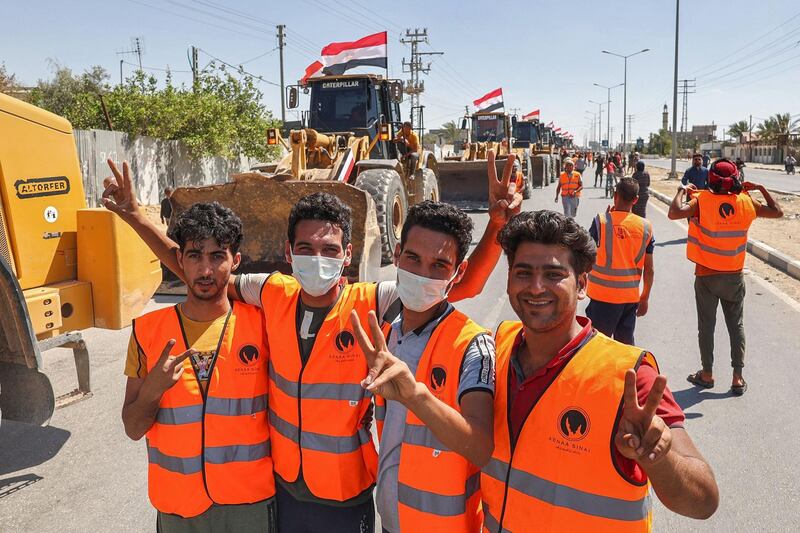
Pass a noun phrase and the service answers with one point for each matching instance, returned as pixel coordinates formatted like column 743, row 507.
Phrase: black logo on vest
column 248, row 355
column 345, row 341
column 438, row 379
column 726, row 210
column 573, row 424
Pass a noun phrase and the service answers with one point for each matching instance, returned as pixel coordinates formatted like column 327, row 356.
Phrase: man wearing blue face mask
column 325, row 462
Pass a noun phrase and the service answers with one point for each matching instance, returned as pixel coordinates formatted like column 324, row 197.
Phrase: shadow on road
column 14, row 484
column 672, row 242
column 692, row 396
column 24, row 446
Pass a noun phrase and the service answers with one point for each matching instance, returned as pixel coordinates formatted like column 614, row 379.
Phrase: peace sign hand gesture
column 642, row 435
column 118, row 195
column 504, row 200
column 167, row 371
column 388, row 376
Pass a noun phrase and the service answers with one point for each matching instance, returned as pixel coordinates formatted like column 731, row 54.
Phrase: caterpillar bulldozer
column 346, row 149
column 462, row 179
column 532, row 144
column 63, row 267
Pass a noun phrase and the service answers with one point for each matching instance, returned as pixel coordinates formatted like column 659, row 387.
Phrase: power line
column 156, row 68
column 187, row 17
column 239, row 69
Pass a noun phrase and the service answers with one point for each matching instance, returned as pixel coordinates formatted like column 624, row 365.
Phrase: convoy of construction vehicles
column 57, row 256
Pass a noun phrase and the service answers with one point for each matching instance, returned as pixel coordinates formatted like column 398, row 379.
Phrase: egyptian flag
column 556, row 130
column 533, row 115
column 369, row 51
column 490, row 101
column 550, row 124
column 314, row 70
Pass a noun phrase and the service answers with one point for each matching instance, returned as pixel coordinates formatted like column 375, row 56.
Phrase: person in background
column 569, row 188
column 600, row 162
column 580, row 164
column 719, row 219
column 611, row 175
column 166, row 206
column 706, row 159
column 696, row 174
column 642, row 177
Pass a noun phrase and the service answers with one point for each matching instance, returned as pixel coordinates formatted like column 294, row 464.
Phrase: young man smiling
column 564, row 392
column 197, row 388
column 325, row 460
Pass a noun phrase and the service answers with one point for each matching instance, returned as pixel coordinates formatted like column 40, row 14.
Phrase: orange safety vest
column 316, row 409
column 438, row 488
column 618, row 268
column 212, row 449
column 570, row 183
column 565, row 477
column 718, row 236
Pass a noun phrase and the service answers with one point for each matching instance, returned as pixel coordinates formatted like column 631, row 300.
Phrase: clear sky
column 745, row 55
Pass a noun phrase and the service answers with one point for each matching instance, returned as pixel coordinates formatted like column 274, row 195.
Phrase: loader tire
column 527, row 181
column 430, row 185
column 391, row 206
column 27, row 395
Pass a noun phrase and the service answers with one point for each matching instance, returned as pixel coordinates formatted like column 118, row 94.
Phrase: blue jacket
column 698, row 176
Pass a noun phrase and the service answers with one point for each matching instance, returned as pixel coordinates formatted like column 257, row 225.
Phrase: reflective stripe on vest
column 616, row 275
column 718, row 235
column 565, row 478
column 316, row 407
column 437, row 487
column 214, row 449
column 564, row 496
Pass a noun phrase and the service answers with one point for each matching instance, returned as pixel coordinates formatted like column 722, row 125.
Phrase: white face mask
column 315, row 273
column 419, row 293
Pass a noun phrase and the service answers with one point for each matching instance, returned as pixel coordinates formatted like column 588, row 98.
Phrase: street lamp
column 673, row 172
column 599, row 118
column 608, row 109
column 625, row 95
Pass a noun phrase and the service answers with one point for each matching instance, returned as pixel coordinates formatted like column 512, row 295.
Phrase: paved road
column 83, row 474
column 771, row 179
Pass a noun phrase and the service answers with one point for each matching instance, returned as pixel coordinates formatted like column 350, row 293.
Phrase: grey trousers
column 257, row 517
column 728, row 290
column 570, row 204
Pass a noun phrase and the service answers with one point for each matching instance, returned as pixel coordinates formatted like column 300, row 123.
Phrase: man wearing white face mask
column 434, row 381
column 325, row 462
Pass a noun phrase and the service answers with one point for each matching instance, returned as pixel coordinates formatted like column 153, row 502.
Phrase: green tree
column 737, row 129
column 75, row 97
column 8, row 81
column 452, row 131
column 660, row 143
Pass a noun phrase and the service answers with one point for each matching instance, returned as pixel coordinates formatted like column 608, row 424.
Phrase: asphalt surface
column 83, row 474
column 771, row 179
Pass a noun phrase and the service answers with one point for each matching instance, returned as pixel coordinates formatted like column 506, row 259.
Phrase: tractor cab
column 526, row 133
column 490, row 127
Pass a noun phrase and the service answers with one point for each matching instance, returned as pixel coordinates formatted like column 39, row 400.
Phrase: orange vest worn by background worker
column 316, row 410
column 214, row 449
column 617, row 270
column 718, row 236
column 438, row 488
column 560, row 474
column 570, row 183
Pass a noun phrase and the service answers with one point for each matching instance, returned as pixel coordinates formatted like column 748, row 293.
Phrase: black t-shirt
column 166, row 209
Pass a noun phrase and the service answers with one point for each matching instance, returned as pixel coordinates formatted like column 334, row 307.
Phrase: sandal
column 738, row 390
column 697, row 379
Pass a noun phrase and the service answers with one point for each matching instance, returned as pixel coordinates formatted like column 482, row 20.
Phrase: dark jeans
column 245, row 518
column 640, row 207
column 728, row 290
column 613, row 320
column 598, row 175
column 295, row 516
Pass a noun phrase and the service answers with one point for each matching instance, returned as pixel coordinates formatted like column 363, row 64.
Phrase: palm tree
column 737, row 129
column 452, row 131
column 768, row 130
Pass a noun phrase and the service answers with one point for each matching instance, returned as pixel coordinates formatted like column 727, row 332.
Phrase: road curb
column 768, row 254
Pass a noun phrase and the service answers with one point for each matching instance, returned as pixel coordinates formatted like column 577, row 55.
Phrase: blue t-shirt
column 697, row 176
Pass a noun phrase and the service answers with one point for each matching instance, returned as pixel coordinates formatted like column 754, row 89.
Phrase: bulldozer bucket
column 465, row 183
column 264, row 204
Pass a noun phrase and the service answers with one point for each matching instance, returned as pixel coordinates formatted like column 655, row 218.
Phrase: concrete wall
column 757, row 153
column 155, row 164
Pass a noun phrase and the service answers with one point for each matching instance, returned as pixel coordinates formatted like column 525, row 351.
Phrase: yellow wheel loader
column 347, row 149
column 63, row 267
column 462, row 179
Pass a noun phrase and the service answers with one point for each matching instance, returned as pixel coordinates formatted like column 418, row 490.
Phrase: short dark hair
column 628, row 189
column 407, row 123
column 208, row 221
column 441, row 217
column 322, row 206
column 550, row 228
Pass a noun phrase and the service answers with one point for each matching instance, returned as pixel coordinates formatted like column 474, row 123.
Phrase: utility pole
column 138, row 50
column 688, row 88
column 195, row 74
column 673, row 173
column 281, row 36
column 629, row 120
column 415, row 67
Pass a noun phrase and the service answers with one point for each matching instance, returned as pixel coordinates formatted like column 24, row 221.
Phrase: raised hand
column 167, row 371
column 118, row 194
column 388, row 376
column 504, row 200
column 642, row 435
